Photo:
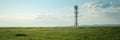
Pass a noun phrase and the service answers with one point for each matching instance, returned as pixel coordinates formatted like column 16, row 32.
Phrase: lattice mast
column 76, row 15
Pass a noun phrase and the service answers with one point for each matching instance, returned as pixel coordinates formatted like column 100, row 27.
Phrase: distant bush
column 20, row 35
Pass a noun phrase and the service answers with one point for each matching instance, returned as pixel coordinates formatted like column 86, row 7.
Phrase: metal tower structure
column 76, row 15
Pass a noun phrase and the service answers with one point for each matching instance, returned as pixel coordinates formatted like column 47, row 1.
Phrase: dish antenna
column 76, row 15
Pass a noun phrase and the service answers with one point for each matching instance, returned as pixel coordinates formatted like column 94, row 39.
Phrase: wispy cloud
column 98, row 12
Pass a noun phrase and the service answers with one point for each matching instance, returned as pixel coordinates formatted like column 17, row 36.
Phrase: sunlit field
column 60, row 33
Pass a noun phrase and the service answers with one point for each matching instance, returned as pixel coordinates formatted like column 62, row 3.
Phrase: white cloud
column 111, row 2
column 93, row 4
column 88, row 5
column 97, row 11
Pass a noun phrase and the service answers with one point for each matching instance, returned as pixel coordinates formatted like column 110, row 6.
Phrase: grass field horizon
column 60, row 33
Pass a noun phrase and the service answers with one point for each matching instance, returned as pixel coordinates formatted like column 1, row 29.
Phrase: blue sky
column 58, row 12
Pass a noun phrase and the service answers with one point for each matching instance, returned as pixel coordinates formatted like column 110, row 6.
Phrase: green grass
column 61, row 33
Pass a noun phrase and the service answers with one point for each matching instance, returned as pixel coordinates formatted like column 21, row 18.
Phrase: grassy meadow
column 60, row 33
